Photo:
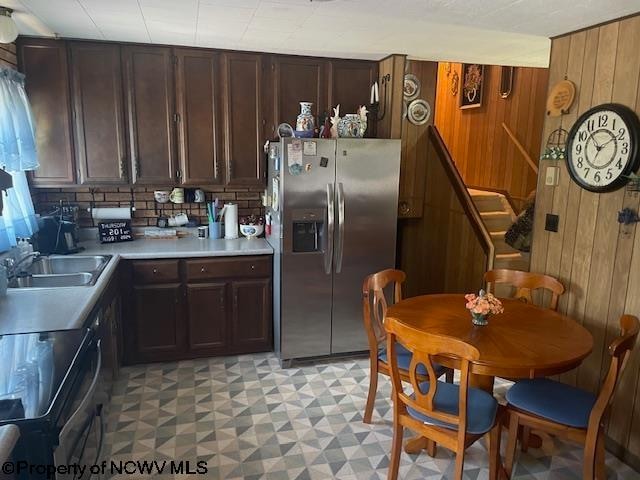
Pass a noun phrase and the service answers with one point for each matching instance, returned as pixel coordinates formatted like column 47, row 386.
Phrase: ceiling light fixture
column 8, row 29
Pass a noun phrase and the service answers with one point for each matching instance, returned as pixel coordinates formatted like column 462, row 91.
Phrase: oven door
column 82, row 433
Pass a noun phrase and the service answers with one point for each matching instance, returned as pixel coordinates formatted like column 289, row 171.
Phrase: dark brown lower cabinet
column 251, row 324
column 208, row 318
column 180, row 309
column 159, row 324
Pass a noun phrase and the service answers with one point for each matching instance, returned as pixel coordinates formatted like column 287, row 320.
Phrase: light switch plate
column 552, row 175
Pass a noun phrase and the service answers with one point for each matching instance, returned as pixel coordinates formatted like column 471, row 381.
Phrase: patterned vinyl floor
column 249, row 419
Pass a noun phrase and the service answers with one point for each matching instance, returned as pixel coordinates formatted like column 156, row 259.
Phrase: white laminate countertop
column 37, row 310
column 180, row 248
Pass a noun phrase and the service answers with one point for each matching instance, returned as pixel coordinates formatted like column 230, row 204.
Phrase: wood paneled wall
column 391, row 93
column 440, row 252
column 597, row 259
column 8, row 55
column 484, row 154
column 414, row 144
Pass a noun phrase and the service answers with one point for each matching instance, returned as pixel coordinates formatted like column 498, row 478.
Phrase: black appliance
column 61, row 420
column 58, row 233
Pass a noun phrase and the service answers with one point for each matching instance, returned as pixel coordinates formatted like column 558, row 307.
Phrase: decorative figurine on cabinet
column 335, row 120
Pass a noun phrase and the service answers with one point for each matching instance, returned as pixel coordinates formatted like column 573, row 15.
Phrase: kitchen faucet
column 13, row 266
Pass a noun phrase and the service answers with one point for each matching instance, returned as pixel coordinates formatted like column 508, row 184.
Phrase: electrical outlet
column 551, row 222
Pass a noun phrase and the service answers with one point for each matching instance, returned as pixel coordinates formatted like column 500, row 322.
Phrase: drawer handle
column 253, row 267
column 202, row 270
column 155, row 270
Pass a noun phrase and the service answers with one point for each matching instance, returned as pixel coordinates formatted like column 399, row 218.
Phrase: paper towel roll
column 122, row 213
column 230, row 221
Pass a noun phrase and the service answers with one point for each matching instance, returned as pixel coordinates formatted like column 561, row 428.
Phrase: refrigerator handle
column 328, row 252
column 341, row 220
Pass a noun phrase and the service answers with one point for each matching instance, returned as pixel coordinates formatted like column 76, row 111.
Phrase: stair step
column 512, row 261
column 496, row 221
column 488, row 203
column 499, row 243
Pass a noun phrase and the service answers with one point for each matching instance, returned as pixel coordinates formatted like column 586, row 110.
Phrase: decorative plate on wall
column 561, row 98
column 419, row 112
column 411, row 86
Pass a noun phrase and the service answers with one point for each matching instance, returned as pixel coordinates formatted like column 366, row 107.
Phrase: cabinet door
column 197, row 91
column 208, row 318
column 351, row 82
column 243, row 119
column 150, row 113
column 251, row 316
column 96, row 89
column 299, row 80
column 157, row 323
column 44, row 63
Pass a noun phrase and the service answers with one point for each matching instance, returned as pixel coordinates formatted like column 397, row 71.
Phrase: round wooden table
column 522, row 342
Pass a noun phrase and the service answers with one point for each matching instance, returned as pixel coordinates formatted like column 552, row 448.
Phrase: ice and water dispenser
column 308, row 231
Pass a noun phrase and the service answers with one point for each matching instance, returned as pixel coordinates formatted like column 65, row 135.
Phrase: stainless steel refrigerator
column 333, row 222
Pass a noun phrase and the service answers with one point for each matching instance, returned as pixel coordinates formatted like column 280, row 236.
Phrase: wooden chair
column 570, row 412
column 454, row 416
column 374, row 308
column 525, row 282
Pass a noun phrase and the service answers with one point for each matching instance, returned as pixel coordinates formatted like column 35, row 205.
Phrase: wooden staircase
column 497, row 216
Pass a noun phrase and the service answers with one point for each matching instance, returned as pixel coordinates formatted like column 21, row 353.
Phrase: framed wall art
column 472, row 85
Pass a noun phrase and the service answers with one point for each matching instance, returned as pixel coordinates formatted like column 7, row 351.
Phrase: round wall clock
column 602, row 147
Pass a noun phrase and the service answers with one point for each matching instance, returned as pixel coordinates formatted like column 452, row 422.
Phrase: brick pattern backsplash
column 147, row 209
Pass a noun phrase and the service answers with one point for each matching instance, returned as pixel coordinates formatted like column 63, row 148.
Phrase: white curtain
column 17, row 155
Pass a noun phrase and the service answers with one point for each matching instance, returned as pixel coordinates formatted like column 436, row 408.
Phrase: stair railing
column 523, row 151
column 462, row 193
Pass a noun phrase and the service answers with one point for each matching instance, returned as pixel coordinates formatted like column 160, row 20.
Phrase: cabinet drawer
column 207, row 268
column 156, row 271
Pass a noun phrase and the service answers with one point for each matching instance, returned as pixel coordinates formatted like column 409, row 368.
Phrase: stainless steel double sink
column 61, row 271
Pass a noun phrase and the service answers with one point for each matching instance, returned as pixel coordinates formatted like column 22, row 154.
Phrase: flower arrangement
column 482, row 305
column 252, row 220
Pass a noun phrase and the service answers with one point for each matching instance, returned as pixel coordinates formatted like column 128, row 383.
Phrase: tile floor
column 250, row 419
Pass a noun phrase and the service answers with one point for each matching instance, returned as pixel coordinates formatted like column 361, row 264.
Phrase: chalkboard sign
column 115, row 231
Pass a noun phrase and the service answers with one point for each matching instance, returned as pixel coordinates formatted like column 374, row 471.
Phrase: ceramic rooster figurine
column 334, row 122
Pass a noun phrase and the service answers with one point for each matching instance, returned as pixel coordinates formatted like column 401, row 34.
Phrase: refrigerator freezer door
column 367, row 175
column 306, row 285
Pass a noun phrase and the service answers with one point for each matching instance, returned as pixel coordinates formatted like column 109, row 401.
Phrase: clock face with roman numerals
column 602, row 147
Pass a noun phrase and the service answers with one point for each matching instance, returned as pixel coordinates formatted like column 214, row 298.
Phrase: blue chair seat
column 481, row 407
column 404, row 360
column 553, row 400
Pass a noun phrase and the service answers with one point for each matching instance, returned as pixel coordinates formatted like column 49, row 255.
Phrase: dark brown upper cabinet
column 44, row 63
column 298, row 80
column 351, row 82
column 197, row 93
column 96, row 90
column 243, row 120
column 151, row 115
